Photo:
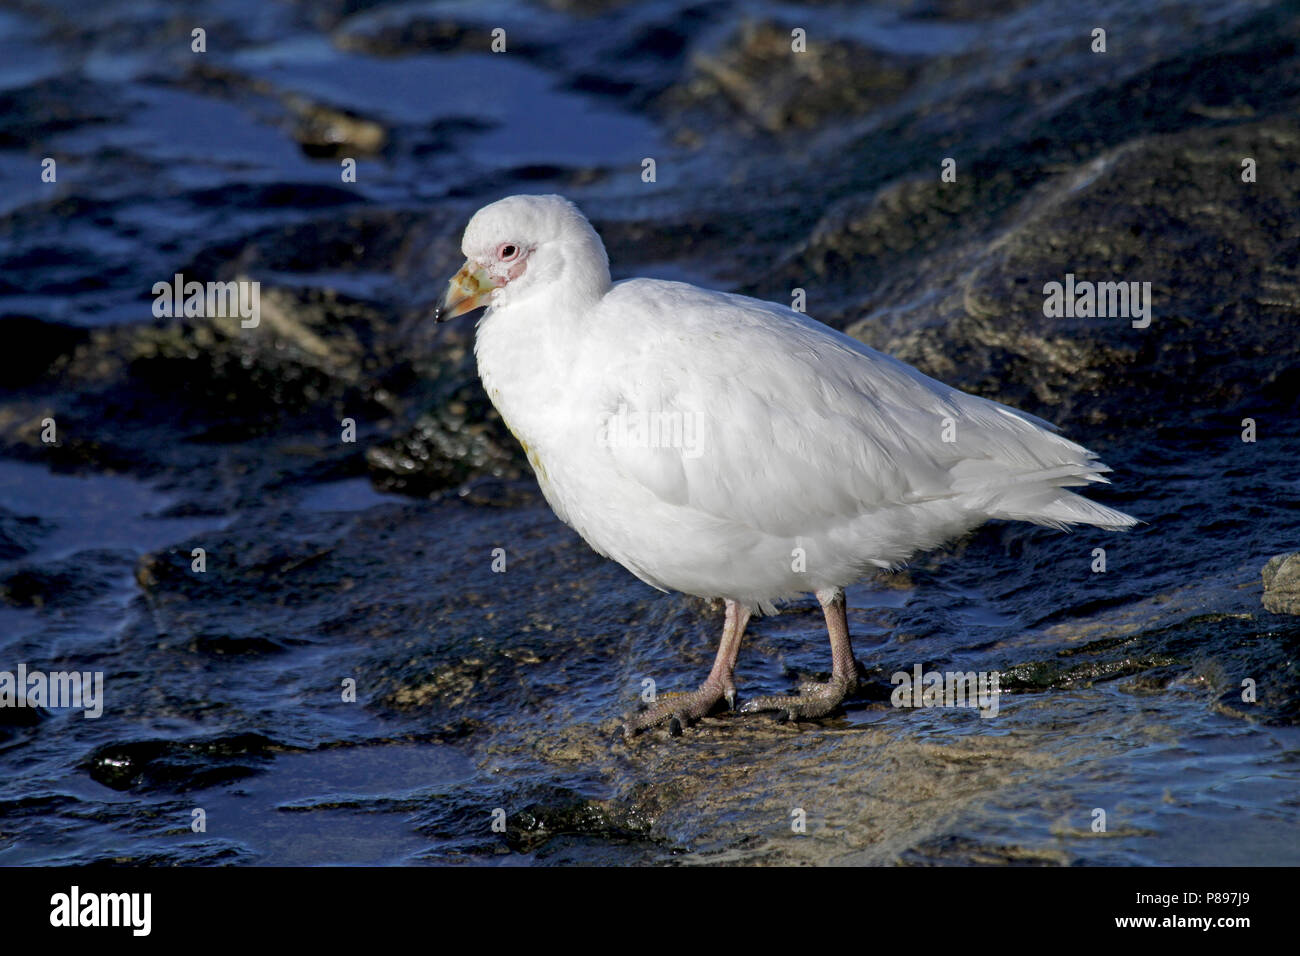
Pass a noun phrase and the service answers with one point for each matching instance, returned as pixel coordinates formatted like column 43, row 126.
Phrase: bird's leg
column 815, row 699
column 683, row 708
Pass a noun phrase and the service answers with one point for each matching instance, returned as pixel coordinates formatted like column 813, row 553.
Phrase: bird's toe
column 679, row 710
column 813, row 700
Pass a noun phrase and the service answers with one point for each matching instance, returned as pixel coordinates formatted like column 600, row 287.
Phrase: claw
column 678, row 710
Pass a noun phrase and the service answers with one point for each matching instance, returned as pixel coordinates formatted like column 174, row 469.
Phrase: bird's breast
column 533, row 386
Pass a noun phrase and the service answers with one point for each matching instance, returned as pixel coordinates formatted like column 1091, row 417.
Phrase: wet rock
column 23, row 425
column 180, row 766
column 70, row 582
column 1209, row 655
column 859, row 794
column 1125, row 216
column 43, row 343
column 227, row 645
column 402, row 35
column 241, row 561
column 457, row 436
column 20, row 534
column 586, row 8
column 446, row 448
column 882, row 240
column 383, row 243
column 501, row 493
column 952, row 850
column 322, row 131
column 202, row 855
column 451, row 684
column 318, row 356
column 38, row 112
column 1043, row 675
column 308, row 361
column 964, row 10
column 19, row 715
column 758, row 80
column 566, row 813
column 1282, row 584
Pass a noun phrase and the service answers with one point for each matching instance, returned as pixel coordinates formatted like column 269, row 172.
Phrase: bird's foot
column 681, row 709
column 813, row 700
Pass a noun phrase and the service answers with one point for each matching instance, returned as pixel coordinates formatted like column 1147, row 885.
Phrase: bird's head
column 520, row 244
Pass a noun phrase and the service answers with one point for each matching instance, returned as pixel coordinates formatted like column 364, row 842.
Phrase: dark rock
column 231, row 562
column 20, row 534
column 1125, row 216
column 180, row 766
column 69, row 582
column 565, row 813
column 446, row 448
column 418, row 34
column 326, row 132
column 39, row 112
column 757, row 79
column 309, row 364
column 42, row 343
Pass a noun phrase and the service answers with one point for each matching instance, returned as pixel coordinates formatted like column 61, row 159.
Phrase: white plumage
column 780, row 457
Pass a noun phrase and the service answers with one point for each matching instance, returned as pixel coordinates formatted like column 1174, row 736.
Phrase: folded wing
column 754, row 414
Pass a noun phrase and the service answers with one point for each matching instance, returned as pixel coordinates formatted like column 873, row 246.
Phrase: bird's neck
column 527, row 352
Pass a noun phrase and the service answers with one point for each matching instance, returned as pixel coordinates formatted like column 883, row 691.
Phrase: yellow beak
column 468, row 290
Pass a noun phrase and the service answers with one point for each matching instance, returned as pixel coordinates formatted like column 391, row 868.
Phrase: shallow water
column 477, row 691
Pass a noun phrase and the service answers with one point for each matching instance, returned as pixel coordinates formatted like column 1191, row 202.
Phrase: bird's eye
column 507, row 251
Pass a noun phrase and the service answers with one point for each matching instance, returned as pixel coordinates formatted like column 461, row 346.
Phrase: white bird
column 732, row 448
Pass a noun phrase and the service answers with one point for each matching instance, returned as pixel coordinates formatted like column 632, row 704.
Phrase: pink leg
column 719, row 685
column 814, row 699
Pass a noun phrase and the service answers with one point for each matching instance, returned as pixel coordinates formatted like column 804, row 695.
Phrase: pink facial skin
column 507, row 268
